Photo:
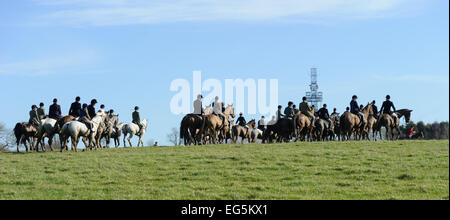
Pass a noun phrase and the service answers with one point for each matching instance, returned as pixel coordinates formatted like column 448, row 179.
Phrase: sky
column 127, row 52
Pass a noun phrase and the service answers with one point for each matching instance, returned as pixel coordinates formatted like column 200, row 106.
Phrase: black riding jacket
column 75, row 109
column 323, row 113
column 354, row 107
column 241, row 121
column 386, row 108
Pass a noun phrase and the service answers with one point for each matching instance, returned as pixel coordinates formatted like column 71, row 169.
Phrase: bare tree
column 7, row 139
column 173, row 136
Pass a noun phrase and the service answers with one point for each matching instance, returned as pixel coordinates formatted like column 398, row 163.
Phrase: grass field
column 353, row 170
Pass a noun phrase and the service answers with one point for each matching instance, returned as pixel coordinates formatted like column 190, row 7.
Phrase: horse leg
column 129, row 139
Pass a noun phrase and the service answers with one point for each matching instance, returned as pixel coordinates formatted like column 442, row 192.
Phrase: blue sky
column 126, row 53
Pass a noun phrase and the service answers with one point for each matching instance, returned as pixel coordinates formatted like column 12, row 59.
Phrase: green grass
column 353, row 170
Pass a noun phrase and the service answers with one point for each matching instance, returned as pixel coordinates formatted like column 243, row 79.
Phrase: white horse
column 76, row 129
column 133, row 129
column 256, row 134
column 47, row 128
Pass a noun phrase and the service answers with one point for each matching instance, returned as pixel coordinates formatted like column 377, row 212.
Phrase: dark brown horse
column 25, row 132
column 191, row 129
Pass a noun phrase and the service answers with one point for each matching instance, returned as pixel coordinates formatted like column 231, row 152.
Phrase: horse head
column 144, row 124
column 230, row 111
column 406, row 113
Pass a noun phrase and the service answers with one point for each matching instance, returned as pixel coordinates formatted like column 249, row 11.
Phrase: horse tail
column 17, row 132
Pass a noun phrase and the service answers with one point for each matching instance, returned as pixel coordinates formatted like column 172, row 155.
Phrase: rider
column 347, row 109
column 91, row 109
column 55, row 110
column 386, row 108
column 102, row 109
column 241, row 120
column 198, row 107
column 75, row 108
column 85, row 118
column 41, row 111
column 374, row 109
column 279, row 114
column 295, row 109
column 305, row 109
column 289, row 111
column 217, row 109
column 323, row 114
column 334, row 112
column 262, row 123
column 355, row 109
column 34, row 118
column 137, row 118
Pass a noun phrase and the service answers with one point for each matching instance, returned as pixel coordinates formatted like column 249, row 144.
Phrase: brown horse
column 303, row 126
column 214, row 125
column 351, row 123
column 191, row 129
column 25, row 132
column 245, row 132
column 385, row 120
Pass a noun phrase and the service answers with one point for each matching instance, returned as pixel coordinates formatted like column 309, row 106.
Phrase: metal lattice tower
column 314, row 97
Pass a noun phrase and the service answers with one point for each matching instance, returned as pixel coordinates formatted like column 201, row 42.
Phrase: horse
column 191, row 129
column 116, row 133
column 110, row 125
column 133, row 129
column 214, row 125
column 323, row 129
column 76, row 129
column 385, row 120
column 336, row 127
column 303, row 126
column 257, row 134
column 371, row 124
column 245, row 132
column 351, row 123
column 281, row 131
column 25, row 132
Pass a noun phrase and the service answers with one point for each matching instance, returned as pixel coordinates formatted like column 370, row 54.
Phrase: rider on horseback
column 386, row 108
column 355, row 109
column 289, row 111
column 41, row 111
column 241, row 120
column 334, row 112
column 218, row 108
column 75, row 108
column 323, row 114
column 374, row 109
column 85, row 118
column 279, row 114
column 34, row 117
column 55, row 110
column 198, row 107
column 305, row 109
column 137, row 118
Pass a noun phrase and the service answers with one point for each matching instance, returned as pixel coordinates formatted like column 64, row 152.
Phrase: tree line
column 430, row 131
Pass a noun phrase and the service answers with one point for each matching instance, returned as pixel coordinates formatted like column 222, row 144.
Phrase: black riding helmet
column 304, row 98
column 354, row 97
column 136, row 108
column 33, row 106
column 388, row 97
column 93, row 101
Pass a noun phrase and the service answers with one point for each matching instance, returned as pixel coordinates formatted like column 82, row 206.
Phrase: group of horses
column 211, row 129
column 104, row 126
